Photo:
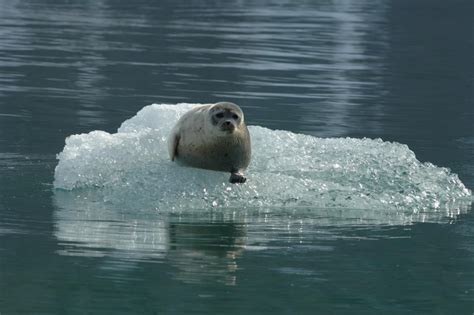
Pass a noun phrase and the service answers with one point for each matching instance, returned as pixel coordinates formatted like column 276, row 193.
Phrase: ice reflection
column 203, row 246
column 204, row 250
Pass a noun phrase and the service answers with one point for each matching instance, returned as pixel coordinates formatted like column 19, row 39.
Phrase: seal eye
column 220, row 115
column 235, row 116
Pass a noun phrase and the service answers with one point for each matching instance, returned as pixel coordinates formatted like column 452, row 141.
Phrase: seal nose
column 228, row 125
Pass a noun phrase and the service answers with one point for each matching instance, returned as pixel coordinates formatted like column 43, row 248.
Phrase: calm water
column 401, row 70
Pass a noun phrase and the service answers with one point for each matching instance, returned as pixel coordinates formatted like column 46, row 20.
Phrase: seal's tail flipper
column 237, row 178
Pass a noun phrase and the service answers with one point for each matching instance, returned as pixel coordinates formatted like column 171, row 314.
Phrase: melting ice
column 288, row 171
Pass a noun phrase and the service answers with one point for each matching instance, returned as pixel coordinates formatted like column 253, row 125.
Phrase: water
column 401, row 71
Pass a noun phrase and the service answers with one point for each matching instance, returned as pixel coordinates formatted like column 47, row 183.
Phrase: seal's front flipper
column 173, row 146
column 237, row 178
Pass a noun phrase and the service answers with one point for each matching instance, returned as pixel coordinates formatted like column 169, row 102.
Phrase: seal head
column 226, row 116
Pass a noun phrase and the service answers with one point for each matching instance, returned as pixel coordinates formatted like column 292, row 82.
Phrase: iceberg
column 131, row 168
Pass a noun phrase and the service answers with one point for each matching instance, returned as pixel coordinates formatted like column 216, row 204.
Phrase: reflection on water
column 201, row 250
column 309, row 57
column 206, row 252
column 206, row 246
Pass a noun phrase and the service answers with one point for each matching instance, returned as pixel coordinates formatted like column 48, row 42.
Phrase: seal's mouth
column 228, row 126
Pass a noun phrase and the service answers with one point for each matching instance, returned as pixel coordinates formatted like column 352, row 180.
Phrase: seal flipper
column 237, row 178
column 173, row 146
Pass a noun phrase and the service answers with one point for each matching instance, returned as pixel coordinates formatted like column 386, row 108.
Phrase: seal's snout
column 228, row 126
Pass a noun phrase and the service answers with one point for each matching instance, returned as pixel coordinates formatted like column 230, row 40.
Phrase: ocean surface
column 359, row 194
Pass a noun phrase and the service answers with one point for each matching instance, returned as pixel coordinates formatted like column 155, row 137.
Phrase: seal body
column 213, row 137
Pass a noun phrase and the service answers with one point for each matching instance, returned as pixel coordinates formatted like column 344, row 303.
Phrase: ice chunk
column 288, row 170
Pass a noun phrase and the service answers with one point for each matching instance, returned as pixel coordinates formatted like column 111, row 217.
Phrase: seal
column 213, row 137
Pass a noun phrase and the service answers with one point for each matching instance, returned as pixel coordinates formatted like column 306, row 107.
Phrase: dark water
column 395, row 69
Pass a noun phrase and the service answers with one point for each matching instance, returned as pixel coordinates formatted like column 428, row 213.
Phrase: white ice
column 131, row 168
